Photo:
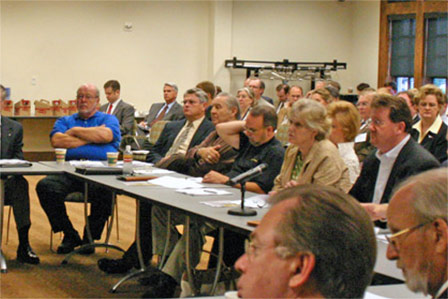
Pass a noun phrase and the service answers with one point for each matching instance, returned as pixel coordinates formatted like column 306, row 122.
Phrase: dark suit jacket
column 11, row 139
column 125, row 115
column 434, row 143
column 175, row 113
column 168, row 135
column 411, row 160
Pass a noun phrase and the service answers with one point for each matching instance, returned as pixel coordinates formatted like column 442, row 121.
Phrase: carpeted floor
column 80, row 278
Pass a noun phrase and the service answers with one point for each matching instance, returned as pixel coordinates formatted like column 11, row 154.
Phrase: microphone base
column 242, row 212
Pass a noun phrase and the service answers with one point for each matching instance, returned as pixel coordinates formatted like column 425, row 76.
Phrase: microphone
column 251, row 173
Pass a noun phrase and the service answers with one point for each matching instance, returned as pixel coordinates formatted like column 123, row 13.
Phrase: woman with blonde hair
column 246, row 99
column 430, row 131
column 311, row 158
column 345, row 125
column 322, row 96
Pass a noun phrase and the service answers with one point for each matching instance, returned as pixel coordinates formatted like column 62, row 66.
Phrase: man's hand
column 210, row 154
column 215, row 178
column 376, row 211
column 291, row 183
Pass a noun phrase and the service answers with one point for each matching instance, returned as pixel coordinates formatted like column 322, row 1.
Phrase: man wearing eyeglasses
column 88, row 134
column 397, row 155
column 176, row 138
column 314, row 242
column 417, row 217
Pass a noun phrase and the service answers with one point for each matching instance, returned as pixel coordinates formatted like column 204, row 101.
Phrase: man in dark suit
column 397, row 155
column 176, row 138
column 116, row 106
column 170, row 110
column 16, row 187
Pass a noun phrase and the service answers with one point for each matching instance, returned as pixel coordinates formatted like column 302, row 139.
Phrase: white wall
column 66, row 43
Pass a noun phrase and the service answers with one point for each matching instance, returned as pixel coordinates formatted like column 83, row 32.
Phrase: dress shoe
column 25, row 254
column 161, row 286
column 87, row 250
column 69, row 243
column 112, row 266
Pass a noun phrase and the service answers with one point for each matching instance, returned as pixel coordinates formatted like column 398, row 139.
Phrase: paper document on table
column 381, row 234
column 175, row 183
column 135, row 164
column 152, row 171
column 14, row 163
column 76, row 163
column 203, row 191
column 368, row 295
column 257, row 201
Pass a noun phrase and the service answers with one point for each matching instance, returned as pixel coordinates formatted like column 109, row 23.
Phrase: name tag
column 361, row 138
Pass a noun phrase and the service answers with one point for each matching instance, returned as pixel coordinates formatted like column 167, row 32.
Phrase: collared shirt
column 167, row 110
column 442, row 289
column 434, row 128
column 365, row 123
column 184, row 146
column 387, row 161
column 114, row 106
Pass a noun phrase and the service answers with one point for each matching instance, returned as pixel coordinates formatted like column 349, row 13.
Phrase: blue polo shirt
column 91, row 151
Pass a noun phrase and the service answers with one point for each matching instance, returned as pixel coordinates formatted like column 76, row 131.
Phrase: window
column 436, row 61
column 413, row 43
column 441, row 83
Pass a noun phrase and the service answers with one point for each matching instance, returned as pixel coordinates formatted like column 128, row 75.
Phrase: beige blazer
column 322, row 166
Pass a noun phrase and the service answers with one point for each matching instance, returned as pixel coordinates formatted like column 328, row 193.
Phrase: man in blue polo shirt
column 88, row 134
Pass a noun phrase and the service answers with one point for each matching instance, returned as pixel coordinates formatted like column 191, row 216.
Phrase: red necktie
column 109, row 110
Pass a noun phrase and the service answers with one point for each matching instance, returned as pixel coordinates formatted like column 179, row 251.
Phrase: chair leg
column 7, row 225
column 116, row 222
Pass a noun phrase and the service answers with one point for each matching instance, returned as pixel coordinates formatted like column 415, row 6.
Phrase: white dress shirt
column 387, row 161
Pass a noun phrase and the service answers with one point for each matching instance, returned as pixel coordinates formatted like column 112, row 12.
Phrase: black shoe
column 112, row 266
column 69, row 243
column 161, row 286
column 86, row 250
column 25, row 254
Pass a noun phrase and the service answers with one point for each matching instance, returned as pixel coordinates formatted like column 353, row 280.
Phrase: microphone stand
column 241, row 211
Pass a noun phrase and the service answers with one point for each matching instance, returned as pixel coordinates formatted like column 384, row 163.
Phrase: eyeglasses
column 393, row 243
column 251, row 249
column 88, row 97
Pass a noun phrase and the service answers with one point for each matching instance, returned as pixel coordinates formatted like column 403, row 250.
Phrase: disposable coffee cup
column 112, row 158
column 231, row 295
column 60, row 155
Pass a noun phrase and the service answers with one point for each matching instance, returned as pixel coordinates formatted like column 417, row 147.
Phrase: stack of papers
column 203, row 191
column 76, row 163
column 257, row 202
column 14, row 163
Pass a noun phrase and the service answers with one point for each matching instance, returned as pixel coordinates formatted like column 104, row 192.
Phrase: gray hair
column 314, row 115
column 202, row 96
column 333, row 227
column 231, row 103
column 173, row 85
column 90, row 85
column 249, row 92
column 429, row 194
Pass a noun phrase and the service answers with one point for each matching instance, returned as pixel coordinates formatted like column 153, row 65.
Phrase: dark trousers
column 131, row 255
column 16, row 195
column 52, row 192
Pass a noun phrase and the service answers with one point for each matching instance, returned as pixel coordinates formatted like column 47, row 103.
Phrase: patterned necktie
column 109, row 110
column 180, row 141
column 297, row 167
column 160, row 116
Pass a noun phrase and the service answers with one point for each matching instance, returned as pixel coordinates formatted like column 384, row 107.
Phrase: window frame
column 419, row 8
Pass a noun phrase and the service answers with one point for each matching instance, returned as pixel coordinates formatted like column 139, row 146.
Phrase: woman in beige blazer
column 311, row 158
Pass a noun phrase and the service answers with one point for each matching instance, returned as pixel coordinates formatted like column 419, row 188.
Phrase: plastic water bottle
column 127, row 160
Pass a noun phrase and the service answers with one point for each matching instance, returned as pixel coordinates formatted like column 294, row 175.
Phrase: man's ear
column 441, row 235
column 302, row 266
column 402, row 126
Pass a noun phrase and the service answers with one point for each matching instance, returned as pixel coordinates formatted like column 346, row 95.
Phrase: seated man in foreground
column 258, row 145
column 417, row 218
column 315, row 241
column 88, row 134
